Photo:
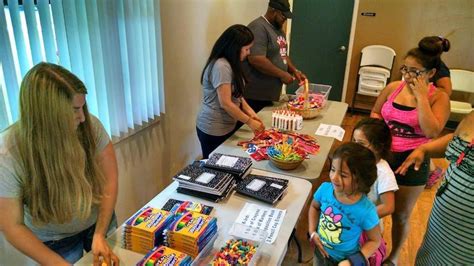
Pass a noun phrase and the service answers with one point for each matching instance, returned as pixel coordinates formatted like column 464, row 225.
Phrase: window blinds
column 114, row 47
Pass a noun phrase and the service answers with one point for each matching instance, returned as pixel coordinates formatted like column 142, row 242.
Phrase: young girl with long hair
column 340, row 211
column 374, row 134
column 58, row 172
column 223, row 82
column 415, row 111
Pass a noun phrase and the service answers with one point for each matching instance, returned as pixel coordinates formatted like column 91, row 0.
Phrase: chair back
column 462, row 80
column 377, row 55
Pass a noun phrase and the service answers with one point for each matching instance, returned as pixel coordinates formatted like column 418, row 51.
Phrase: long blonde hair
column 60, row 177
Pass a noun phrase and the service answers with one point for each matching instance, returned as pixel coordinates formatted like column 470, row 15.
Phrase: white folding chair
column 375, row 68
column 463, row 81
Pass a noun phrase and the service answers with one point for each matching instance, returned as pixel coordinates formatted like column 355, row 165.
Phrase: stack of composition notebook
column 238, row 166
column 191, row 232
column 264, row 188
column 144, row 230
column 206, row 183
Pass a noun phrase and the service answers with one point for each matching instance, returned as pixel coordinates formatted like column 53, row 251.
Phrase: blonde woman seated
column 58, row 173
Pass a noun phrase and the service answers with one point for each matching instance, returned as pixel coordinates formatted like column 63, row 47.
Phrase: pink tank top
column 404, row 125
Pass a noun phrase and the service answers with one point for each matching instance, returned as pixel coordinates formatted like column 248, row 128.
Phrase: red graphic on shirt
column 282, row 43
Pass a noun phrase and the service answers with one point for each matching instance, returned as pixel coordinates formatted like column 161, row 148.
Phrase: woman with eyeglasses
column 448, row 239
column 415, row 112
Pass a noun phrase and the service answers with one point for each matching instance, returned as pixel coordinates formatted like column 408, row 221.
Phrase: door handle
column 342, row 48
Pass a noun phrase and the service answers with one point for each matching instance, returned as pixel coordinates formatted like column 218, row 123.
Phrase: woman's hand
column 416, row 157
column 255, row 117
column 316, row 241
column 419, row 88
column 255, row 125
column 100, row 248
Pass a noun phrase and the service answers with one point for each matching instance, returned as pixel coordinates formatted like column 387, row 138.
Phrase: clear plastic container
column 199, row 260
column 316, row 89
column 251, row 235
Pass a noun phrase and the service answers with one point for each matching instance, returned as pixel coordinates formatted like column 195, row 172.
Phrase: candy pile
column 315, row 101
column 285, row 152
column 235, row 252
column 286, row 120
column 301, row 143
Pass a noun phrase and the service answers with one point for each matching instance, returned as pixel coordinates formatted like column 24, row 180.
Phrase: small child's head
column 373, row 134
column 353, row 169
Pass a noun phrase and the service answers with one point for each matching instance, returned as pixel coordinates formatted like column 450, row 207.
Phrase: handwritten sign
column 331, row 131
column 263, row 218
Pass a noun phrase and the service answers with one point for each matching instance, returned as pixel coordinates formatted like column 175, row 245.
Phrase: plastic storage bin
column 251, row 235
column 316, row 89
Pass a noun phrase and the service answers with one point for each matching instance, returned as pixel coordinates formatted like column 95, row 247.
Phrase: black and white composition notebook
column 236, row 165
column 204, row 183
column 264, row 188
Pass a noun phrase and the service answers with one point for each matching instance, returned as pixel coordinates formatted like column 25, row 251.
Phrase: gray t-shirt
column 212, row 118
column 270, row 42
column 10, row 187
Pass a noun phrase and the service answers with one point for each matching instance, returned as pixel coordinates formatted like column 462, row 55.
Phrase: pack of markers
column 190, row 232
column 144, row 230
column 165, row 256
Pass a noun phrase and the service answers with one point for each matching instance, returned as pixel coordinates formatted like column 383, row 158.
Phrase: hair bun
column 445, row 44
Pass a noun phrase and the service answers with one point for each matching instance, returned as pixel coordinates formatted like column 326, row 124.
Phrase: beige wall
column 401, row 24
column 190, row 28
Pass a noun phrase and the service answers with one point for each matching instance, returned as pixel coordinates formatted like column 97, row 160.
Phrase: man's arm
column 300, row 76
column 264, row 65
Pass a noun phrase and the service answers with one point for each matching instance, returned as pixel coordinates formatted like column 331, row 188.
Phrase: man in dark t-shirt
column 268, row 66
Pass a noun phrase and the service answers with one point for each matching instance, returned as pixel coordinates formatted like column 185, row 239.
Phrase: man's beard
column 276, row 25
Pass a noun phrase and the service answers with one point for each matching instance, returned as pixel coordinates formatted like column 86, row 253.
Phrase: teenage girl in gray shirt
column 223, row 82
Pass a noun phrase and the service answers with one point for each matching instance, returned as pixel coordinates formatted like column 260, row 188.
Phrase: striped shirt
column 449, row 238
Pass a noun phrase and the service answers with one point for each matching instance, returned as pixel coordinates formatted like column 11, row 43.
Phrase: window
column 114, row 47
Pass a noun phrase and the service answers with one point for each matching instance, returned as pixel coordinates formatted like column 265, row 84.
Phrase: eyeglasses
column 413, row 73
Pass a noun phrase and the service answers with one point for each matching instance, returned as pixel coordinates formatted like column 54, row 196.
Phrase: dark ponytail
column 434, row 45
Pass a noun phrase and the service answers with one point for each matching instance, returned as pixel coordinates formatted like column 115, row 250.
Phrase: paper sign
column 263, row 218
column 332, row 131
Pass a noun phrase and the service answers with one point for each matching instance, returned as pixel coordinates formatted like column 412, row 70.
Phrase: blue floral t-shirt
column 340, row 225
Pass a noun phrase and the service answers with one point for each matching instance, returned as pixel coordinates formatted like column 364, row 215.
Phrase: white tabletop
column 226, row 213
column 333, row 114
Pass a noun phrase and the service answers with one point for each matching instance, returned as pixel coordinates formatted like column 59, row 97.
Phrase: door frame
column 349, row 51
